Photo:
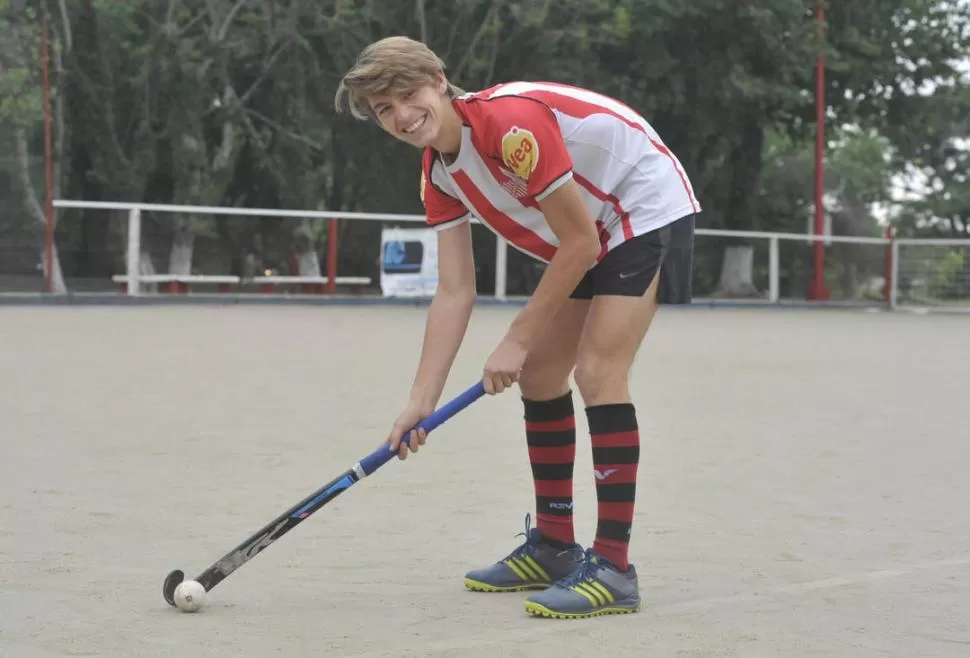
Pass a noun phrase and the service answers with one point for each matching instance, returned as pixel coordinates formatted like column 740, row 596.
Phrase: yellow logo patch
column 424, row 181
column 520, row 152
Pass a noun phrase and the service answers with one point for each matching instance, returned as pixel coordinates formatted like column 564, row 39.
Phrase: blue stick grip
column 382, row 455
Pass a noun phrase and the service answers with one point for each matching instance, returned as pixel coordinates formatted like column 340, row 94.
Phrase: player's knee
column 542, row 383
column 597, row 377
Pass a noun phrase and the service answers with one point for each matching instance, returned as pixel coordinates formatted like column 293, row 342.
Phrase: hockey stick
column 303, row 509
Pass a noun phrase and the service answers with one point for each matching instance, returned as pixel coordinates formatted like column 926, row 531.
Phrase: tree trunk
column 183, row 242
column 57, row 276
column 737, row 272
column 308, row 262
column 737, row 268
column 147, row 267
column 36, row 210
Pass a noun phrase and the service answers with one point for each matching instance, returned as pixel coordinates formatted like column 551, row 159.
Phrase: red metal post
column 817, row 290
column 331, row 286
column 48, row 164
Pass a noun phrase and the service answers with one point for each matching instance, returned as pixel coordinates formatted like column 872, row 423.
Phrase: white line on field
column 549, row 626
column 798, row 588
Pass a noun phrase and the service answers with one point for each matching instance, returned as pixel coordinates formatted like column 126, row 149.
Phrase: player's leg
column 550, row 422
column 619, row 319
column 549, row 551
column 631, row 283
column 617, row 327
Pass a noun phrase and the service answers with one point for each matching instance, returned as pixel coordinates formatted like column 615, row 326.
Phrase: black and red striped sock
column 616, row 454
column 550, row 429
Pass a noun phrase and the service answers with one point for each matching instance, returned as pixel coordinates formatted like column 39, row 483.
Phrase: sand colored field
column 803, row 489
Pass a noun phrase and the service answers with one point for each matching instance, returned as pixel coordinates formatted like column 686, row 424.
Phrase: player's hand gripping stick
column 383, row 454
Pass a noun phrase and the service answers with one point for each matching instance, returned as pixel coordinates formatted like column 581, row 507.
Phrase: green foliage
column 231, row 103
column 20, row 100
column 21, row 103
column 935, row 152
column 861, row 169
column 947, row 280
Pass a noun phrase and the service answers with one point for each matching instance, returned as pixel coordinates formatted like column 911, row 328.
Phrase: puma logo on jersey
column 520, row 152
column 605, row 474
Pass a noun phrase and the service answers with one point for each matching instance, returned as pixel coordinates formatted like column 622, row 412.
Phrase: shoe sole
column 479, row 586
column 539, row 610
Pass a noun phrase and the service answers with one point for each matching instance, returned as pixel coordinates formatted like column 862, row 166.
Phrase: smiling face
column 401, row 84
column 421, row 117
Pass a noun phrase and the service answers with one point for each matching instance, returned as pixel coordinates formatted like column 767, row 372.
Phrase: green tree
column 229, row 102
column 22, row 111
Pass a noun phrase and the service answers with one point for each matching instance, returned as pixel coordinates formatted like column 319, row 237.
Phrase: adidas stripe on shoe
column 596, row 587
column 535, row 564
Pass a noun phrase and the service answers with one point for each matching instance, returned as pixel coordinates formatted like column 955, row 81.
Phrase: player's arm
column 528, row 137
column 448, row 315
column 569, row 219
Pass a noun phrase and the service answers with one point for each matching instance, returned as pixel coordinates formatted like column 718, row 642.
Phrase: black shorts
column 629, row 269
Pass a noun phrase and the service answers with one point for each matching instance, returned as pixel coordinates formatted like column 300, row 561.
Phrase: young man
column 583, row 183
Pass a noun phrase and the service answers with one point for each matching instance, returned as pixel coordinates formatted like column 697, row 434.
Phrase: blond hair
column 390, row 66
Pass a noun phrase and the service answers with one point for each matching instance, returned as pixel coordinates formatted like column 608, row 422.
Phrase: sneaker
column 596, row 587
column 533, row 565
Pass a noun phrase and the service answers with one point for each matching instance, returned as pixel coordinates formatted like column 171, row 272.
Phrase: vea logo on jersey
column 520, row 152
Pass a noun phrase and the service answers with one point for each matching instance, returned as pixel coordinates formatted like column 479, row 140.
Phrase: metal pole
column 894, row 276
column 501, row 268
column 888, row 268
column 818, row 290
column 48, row 163
column 134, row 252
column 332, row 251
column 774, row 275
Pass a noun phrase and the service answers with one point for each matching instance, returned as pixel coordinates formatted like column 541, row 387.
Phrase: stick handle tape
column 382, row 455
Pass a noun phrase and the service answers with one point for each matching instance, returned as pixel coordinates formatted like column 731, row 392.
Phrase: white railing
column 930, row 272
column 891, row 246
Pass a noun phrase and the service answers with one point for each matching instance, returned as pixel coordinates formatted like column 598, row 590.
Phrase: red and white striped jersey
column 523, row 140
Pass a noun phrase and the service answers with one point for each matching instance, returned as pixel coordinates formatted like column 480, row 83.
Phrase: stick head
column 171, row 582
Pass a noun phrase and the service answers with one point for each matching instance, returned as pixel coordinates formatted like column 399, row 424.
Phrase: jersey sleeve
column 441, row 209
column 526, row 136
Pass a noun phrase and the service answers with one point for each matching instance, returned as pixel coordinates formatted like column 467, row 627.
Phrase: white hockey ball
column 189, row 596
